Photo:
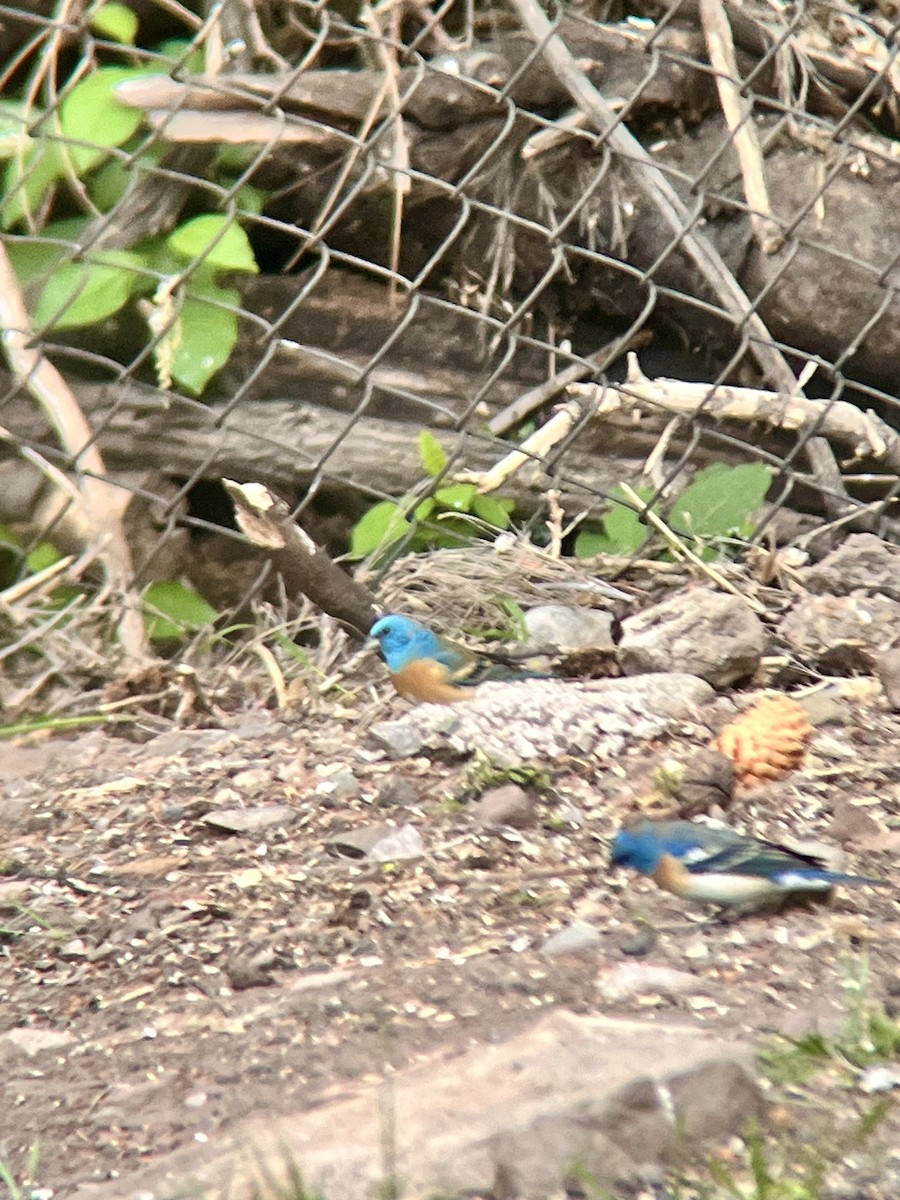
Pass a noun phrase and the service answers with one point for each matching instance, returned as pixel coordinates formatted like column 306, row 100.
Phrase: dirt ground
column 164, row 977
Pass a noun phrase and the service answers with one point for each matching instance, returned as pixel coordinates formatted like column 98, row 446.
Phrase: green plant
column 26, row 1190
column 719, row 503
column 449, row 517
column 484, row 773
column 86, row 153
column 868, row 1035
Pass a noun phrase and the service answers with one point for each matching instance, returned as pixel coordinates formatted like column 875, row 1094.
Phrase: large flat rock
column 611, row 1095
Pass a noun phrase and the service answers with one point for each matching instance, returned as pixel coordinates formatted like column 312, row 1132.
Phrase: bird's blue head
column 403, row 640
column 639, row 848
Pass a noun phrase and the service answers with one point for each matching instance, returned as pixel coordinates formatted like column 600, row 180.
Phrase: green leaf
column 28, row 182
column 183, row 54
column 45, row 554
column 424, row 509
column 116, row 22
column 14, row 136
column 206, row 334
column 623, row 531
column 721, row 500
column 434, row 460
column 382, row 524
column 91, row 113
column 84, row 293
column 172, row 609
column 216, row 239
column 493, row 509
column 34, row 259
column 457, row 497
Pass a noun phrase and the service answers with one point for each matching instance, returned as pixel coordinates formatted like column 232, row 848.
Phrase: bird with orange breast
column 429, row 668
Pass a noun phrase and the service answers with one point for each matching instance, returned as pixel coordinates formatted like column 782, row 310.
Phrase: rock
column 397, row 793
column 548, row 718
column 402, row 843
column 380, row 843
column 339, row 782
column 627, row 980
column 504, row 1119
column 563, row 628
column 710, row 634
column 613, row 1139
column 506, row 805
column 862, row 563
column 705, row 781
column 579, row 938
column 840, row 634
column 888, row 668
column 251, row 820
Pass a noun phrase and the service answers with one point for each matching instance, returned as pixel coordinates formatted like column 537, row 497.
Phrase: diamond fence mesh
column 434, row 274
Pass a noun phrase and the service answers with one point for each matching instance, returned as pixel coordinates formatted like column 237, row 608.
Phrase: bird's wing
column 751, row 858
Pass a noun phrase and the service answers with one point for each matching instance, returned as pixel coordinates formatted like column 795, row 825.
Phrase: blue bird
column 719, row 866
column 425, row 666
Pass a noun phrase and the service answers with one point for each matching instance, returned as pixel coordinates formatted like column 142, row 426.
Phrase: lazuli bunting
column 719, row 866
column 426, row 667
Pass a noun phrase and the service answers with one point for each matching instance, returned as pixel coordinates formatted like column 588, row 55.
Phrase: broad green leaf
column 28, row 182
column 34, row 258
column 382, row 524
column 250, row 200
column 84, row 293
column 172, row 609
column 91, row 114
column 623, row 531
column 109, row 183
column 424, row 509
column 458, row 497
column 493, row 509
column 14, row 136
column 218, row 240
column 116, row 22
column 45, row 554
column 453, row 532
column 721, row 500
column 431, row 452
column 206, row 335
column 183, row 54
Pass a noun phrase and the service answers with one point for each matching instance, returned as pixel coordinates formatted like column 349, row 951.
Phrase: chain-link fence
column 435, row 274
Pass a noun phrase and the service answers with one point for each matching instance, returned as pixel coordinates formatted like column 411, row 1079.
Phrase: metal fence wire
column 434, row 271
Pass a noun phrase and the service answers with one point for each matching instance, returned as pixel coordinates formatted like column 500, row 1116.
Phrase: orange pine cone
column 767, row 741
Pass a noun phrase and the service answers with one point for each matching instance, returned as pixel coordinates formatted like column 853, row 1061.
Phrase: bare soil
column 163, row 978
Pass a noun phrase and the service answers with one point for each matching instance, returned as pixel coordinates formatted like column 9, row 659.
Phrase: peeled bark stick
column 267, row 522
column 738, row 115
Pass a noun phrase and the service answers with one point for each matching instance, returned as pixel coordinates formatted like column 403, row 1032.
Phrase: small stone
column 578, row 938
column 841, row 634
column 357, row 843
column 397, row 793
column 711, row 634
column 340, row 784
column 563, row 628
column 254, row 780
column 705, row 781
column 626, row 980
column 506, row 805
column 401, row 739
column 251, row 820
column 863, row 562
column 405, row 842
